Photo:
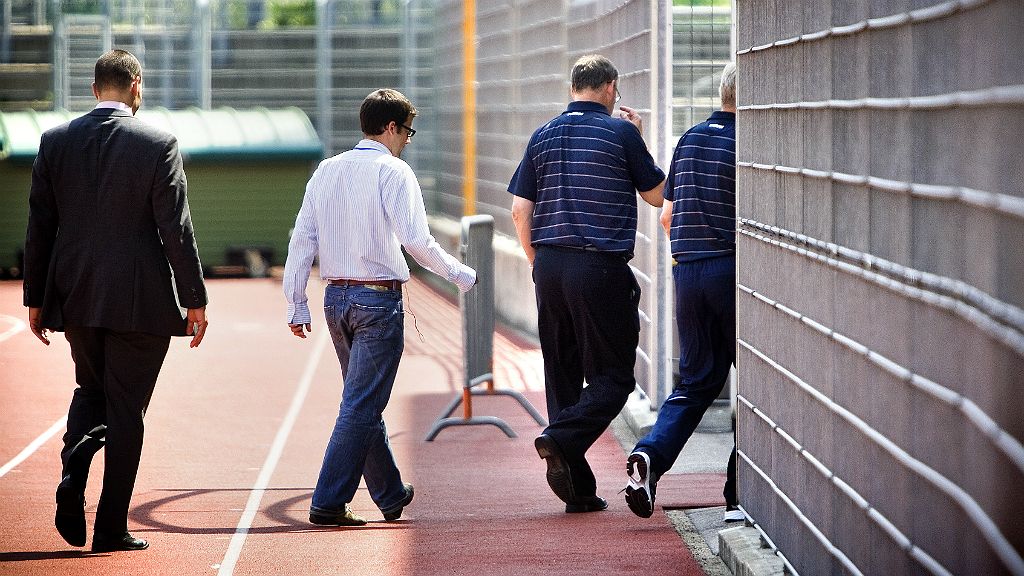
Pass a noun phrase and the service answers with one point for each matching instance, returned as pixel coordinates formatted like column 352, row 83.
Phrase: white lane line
column 24, row 454
column 227, row 565
column 17, row 325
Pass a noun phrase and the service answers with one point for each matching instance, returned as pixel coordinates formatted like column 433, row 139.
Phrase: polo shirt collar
column 722, row 115
column 587, row 106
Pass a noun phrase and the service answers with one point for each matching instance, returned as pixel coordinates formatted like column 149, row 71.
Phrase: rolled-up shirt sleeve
column 403, row 204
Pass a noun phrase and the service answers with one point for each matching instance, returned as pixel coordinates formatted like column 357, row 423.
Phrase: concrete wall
column 880, row 258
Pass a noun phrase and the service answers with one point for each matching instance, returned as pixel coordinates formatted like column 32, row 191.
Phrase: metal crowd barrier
column 477, row 307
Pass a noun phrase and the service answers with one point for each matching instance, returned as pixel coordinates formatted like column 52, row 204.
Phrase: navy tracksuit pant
column 706, row 319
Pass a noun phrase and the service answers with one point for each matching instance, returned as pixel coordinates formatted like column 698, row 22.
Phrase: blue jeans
column 706, row 319
column 368, row 330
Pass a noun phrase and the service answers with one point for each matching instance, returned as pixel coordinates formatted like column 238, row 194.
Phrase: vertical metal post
column 5, row 35
column 201, row 63
column 324, row 51
column 661, row 109
column 60, row 59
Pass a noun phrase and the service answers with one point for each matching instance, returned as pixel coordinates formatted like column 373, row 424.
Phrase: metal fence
column 881, row 329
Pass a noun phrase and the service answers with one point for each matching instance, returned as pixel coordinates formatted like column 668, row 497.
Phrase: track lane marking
column 17, row 326
column 33, row 446
column 227, row 565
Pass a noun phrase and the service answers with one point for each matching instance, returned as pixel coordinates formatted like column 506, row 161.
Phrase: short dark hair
column 382, row 107
column 592, row 71
column 117, row 69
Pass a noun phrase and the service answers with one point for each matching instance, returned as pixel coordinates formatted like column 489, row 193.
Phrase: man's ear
column 95, row 91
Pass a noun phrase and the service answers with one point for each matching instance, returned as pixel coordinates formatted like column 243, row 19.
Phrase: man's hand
column 196, row 325
column 632, row 117
column 297, row 329
column 34, row 315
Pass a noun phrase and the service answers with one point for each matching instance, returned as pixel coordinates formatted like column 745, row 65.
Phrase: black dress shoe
column 559, row 475
column 70, row 517
column 395, row 513
column 591, row 504
column 120, row 542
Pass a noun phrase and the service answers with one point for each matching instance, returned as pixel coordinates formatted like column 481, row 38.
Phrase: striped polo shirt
column 701, row 185
column 582, row 170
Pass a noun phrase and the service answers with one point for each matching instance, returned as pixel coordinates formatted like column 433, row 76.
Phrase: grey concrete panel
column 817, row 434
column 850, row 61
column 818, row 208
column 890, row 62
column 849, row 12
column 789, row 136
column 984, row 249
column 765, row 200
column 851, row 218
column 1010, row 288
column 854, row 539
column 940, row 437
column 996, row 483
column 880, row 8
column 932, row 222
column 937, row 348
column 851, row 141
column 891, row 144
column 935, row 69
column 890, row 226
column 818, row 286
column 874, row 316
column 790, row 199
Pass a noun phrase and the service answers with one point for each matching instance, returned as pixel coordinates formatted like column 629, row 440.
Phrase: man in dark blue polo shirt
column 700, row 218
column 575, row 211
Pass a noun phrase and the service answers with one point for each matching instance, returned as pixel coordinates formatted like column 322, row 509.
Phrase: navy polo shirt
column 582, row 170
column 701, row 185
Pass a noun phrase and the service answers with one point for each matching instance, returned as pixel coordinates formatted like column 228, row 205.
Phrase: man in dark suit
column 108, row 226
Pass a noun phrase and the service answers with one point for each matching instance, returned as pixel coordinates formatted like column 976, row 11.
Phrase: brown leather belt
column 385, row 284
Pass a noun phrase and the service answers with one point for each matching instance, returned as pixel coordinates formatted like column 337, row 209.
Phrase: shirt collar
column 722, row 115
column 367, row 144
column 115, row 105
column 586, row 106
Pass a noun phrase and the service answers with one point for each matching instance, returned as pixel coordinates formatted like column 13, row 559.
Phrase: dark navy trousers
column 589, row 329
column 706, row 320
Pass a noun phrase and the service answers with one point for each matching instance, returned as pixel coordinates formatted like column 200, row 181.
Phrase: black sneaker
column 641, row 487
column 346, row 518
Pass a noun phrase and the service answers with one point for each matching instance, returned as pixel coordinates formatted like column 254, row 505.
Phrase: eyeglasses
column 410, row 130
column 617, row 95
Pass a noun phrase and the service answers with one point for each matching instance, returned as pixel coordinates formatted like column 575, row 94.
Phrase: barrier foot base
column 443, row 423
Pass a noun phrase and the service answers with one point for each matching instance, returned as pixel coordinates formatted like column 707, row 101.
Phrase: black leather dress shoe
column 70, row 517
column 395, row 513
column 120, row 542
column 559, row 476
column 591, row 504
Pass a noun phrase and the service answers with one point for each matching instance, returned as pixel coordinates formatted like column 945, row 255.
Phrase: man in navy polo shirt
column 700, row 218
column 575, row 212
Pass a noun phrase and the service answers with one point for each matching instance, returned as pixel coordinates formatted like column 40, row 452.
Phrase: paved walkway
column 235, row 436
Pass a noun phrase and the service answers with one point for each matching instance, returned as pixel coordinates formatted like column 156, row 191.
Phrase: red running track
column 235, row 436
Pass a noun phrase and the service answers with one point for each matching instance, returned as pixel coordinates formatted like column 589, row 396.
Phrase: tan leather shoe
column 347, row 518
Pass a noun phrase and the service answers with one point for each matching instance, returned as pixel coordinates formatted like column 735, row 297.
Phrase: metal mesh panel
column 878, row 339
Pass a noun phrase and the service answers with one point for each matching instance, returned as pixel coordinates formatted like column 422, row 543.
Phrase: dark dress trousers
column 109, row 257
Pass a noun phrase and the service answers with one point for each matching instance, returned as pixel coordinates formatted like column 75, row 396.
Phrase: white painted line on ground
column 24, row 454
column 17, row 325
column 227, row 566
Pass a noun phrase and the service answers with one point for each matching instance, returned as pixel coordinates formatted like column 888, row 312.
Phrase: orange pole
column 467, row 403
column 469, row 107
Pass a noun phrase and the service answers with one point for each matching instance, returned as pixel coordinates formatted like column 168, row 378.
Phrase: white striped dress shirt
column 361, row 207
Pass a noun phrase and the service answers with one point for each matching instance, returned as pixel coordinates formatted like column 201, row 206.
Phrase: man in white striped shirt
column 360, row 208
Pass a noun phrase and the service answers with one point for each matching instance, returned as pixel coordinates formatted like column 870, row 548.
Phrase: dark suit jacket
column 108, row 223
